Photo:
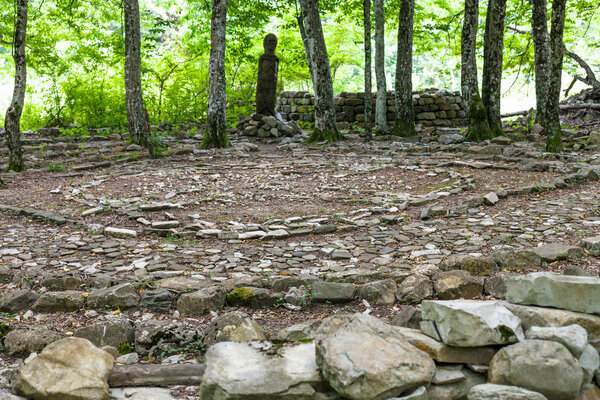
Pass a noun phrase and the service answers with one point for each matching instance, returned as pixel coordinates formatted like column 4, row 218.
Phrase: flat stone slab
column 557, row 251
column 465, row 323
column 490, row 391
column 592, row 244
column 149, row 393
column 574, row 293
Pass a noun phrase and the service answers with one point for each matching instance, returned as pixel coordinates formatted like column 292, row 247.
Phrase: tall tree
column 493, row 47
column 548, row 67
column 137, row 119
column 479, row 127
column 381, row 103
column 302, row 28
column 405, row 115
column 368, row 78
column 325, row 120
column 12, row 122
column 553, row 130
column 216, row 123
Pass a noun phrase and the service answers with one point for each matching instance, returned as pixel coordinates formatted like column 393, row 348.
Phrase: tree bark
column 405, row 115
column 216, row 123
column 12, row 122
column 381, row 103
column 325, row 128
column 368, row 77
column 493, row 47
column 302, row 28
column 479, row 128
column 541, row 47
column 553, row 133
column 590, row 78
column 136, row 112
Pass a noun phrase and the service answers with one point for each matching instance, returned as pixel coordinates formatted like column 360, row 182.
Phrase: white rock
column 120, row 232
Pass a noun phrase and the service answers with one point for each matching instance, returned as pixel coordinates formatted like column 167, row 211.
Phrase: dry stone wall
column 432, row 107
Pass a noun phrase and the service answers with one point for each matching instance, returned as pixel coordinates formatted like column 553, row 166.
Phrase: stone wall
column 432, row 107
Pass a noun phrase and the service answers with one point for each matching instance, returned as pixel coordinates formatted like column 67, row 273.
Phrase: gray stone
column 204, row 300
column 490, row 391
column 403, row 316
column 140, row 393
column 66, row 301
column 379, row 292
column 490, row 199
column 542, row 366
column 480, row 266
column 590, row 363
column 155, row 337
column 113, row 332
column 574, row 270
column 16, row 301
column 415, row 288
column 573, row 337
column 452, row 285
column 158, row 300
column 447, row 354
column 517, row 260
column 574, row 293
column 300, row 332
column 451, row 138
column 557, row 251
column 297, row 296
column 495, row 286
column 457, row 390
column 357, row 345
column 340, row 254
column 128, row 359
column 156, row 375
column 550, row 317
column 22, row 341
column 592, row 244
column 119, row 232
column 332, row 291
column 233, row 326
column 418, row 394
column 71, row 368
column 252, row 297
column 121, row 296
column 445, row 374
column 246, row 371
column 467, row 323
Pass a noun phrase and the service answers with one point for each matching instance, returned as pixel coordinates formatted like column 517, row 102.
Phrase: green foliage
column 56, row 167
column 124, row 348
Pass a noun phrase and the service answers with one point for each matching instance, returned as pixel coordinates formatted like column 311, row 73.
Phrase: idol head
column 270, row 43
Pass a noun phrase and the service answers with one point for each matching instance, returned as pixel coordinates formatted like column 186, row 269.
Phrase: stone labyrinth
column 161, row 259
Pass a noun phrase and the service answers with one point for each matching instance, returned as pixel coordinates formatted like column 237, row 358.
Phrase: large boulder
column 379, row 292
column 259, row 371
column 467, row 323
column 363, row 358
column 573, row 337
column 16, row 301
column 557, row 251
column 234, row 326
column 490, row 391
column 120, row 296
column 592, row 244
column 540, row 365
column 70, row 369
column 574, row 293
column 22, row 341
column 480, row 266
column 457, row 388
column 202, row 301
column 451, row 285
column 415, row 288
column 155, row 337
column 114, row 332
column 551, row 317
column 66, row 301
column 517, row 259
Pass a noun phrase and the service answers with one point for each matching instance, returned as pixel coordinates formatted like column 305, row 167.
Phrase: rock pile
column 267, row 126
column 432, row 107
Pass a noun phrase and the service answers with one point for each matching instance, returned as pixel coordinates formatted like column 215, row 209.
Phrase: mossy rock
column 240, row 297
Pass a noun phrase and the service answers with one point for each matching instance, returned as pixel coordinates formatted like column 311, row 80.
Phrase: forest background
column 75, row 52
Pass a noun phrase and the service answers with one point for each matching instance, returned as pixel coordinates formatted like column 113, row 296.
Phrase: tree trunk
column 479, row 127
column 325, row 128
column 368, row 90
column 493, row 47
column 12, row 122
column 381, row 103
column 216, row 123
column 405, row 115
column 300, row 20
column 553, row 133
column 541, row 47
column 136, row 112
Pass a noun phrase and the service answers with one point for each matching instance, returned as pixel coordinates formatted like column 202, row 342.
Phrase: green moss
column 124, row 348
column 403, row 128
column 479, row 127
column 325, row 135
column 240, row 297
